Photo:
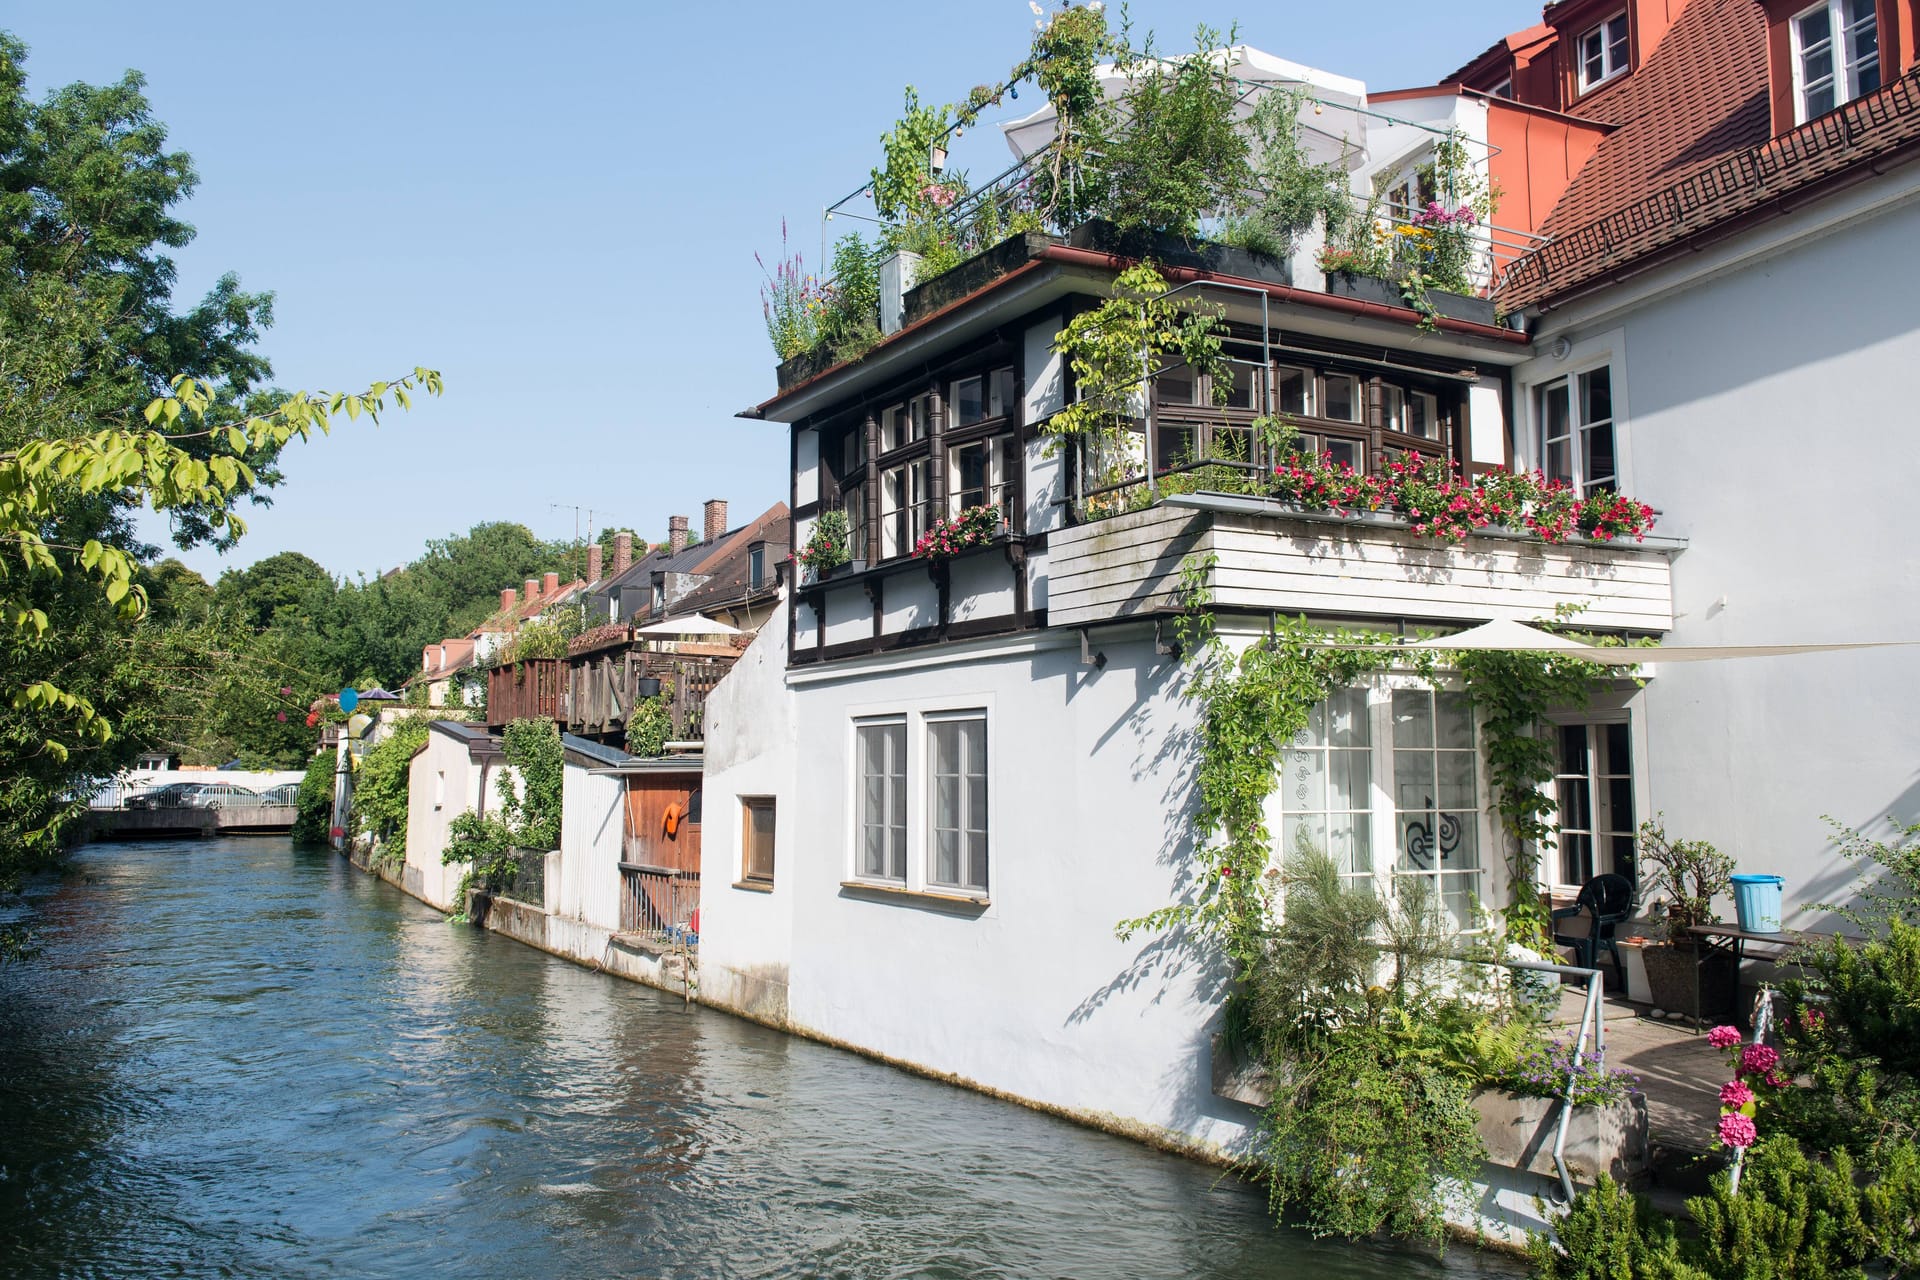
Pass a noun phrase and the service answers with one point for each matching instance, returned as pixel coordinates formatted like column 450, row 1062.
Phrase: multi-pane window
column 1603, row 52
column 854, row 501
column 1340, row 397
column 756, row 838
column 1414, row 413
column 1001, row 396
column 881, row 759
column 1593, row 783
column 904, row 499
column 974, row 476
column 969, row 403
column 1576, row 431
column 1836, row 55
column 1326, row 786
column 1293, row 391
column 756, row 566
column 1390, row 770
column 957, row 831
column 1436, row 808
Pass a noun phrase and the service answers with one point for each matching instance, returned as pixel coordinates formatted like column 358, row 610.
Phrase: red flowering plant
column 828, row 546
column 1438, row 502
column 974, row 527
column 1757, row 1080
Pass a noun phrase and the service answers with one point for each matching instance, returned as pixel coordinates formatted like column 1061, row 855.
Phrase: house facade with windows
column 937, row 787
column 1719, row 315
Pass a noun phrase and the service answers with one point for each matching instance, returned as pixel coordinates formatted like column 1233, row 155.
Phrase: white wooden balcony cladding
column 1129, row 566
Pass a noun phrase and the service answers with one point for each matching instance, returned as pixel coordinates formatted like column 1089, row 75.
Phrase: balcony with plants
column 1223, row 160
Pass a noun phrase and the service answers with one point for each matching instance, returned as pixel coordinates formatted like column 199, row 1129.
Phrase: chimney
column 550, row 586
column 622, row 552
column 677, row 538
column 426, row 657
column 506, row 599
column 530, row 589
column 593, row 563
column 716, row 520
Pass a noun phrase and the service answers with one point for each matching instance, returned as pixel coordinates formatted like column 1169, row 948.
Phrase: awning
column 1518, row 637
column 1334, row 133
column 691, row 625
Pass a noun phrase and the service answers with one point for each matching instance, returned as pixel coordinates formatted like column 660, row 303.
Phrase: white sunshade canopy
column 692, row 625
column 1336, row 131
column 1518, row 637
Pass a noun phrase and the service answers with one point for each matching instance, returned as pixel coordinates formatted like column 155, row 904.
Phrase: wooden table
column 1736, row 941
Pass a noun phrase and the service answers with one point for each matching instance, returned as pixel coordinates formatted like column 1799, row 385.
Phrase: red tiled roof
column 1858, row 134
column 1701, row 97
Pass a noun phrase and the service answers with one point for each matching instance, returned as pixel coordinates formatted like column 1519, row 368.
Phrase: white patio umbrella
column 692, row 625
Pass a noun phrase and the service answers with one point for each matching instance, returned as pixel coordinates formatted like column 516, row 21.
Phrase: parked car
column 194, row 795
column 285, row 793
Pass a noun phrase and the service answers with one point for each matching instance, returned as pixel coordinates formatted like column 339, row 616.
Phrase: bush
column 1177, row 156
column 313, row 806
column 380, row 791
column 1609, row 1234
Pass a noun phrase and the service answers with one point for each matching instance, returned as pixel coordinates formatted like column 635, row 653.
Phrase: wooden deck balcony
column 530, row 689
column 1270, row 559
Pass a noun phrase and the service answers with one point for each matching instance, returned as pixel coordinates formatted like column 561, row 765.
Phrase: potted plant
column 974, row 527
column 828, row 547
column 1687, row 875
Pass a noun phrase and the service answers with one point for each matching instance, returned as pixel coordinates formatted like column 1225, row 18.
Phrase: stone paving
column 1679, row 1072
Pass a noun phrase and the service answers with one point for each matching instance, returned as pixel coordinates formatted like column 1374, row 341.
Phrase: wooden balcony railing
column 530, row 689
column 659, row 904
column 1267, row 559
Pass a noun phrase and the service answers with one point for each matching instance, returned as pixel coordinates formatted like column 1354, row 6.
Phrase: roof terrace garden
column 1224, row 159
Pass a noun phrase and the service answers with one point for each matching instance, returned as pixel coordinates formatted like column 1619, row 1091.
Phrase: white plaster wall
column 910, row 600
column 806, row 475
column 592, row 827
column 1045, row 394
column 1486, row 423
column 431, row 809
column 981, row 586
column 1771, row 422
column 1089, row 823
column 746, row 935
column 849, row 615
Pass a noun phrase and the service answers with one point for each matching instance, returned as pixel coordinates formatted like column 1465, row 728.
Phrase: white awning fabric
column 692, row 625
column 1335, row 132
column 1518, row 637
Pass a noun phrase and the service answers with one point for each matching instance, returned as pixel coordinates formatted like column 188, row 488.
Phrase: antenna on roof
column 578, row 546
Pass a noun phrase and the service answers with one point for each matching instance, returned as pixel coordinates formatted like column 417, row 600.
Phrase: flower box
column 1519, row 1133
column 1172, row 251
column 1345, row 284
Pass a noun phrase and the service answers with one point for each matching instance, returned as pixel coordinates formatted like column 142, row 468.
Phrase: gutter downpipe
column 1289, row 293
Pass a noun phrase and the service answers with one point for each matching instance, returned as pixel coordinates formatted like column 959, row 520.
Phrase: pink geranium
column 1724, row 1037
column 1758, row 1059
column 1738, row 1131
column 1735, row 1093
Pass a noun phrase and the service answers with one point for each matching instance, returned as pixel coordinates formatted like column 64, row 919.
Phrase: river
column 238, row 1058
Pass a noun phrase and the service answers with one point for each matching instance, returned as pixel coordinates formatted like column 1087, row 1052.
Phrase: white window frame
column 903, row 856
column 980, row 390
column 1579, row 426
column 1593, row 724
column 1844, row 73
column 1607, row 348
column 1502, row 90
column 1309, row 391
column 914, row 498
column 917, row 719
column 996, row 480
column 1382, row 815
column 1394, row 403
column 1609, row 69
column 963, row 883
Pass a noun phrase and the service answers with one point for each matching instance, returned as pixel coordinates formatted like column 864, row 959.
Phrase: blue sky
column 557, row 206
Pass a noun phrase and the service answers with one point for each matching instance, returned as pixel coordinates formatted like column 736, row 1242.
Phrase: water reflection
column 237, row 1058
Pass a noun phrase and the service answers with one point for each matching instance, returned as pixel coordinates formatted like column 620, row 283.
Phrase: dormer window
column 1836, row 56
column 756, row 566
column 1603, row 52
column 1502, row 90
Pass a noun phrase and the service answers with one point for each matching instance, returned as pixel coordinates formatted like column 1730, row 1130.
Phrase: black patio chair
column 1607, row 903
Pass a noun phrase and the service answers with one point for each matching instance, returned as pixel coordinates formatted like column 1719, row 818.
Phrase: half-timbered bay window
column 921, row 802
column 1593, row 784
column 976, row 475
column 1836, row 56
column 906, row 500
column 1395, row 769
column 1576, row 430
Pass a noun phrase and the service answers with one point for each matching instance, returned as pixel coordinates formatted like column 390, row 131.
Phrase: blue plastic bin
column 1756, row 900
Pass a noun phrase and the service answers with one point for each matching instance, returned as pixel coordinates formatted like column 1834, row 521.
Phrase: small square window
column 1340, row 397
column 756, row 838
column 1603, row 52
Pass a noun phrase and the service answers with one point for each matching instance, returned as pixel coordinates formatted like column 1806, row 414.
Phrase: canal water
column 237, row 1058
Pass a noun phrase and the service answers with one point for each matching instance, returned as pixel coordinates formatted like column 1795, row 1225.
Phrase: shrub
column 1689, row 873
column 650, row 726
column 313, row 806
column 380, row 791
column 1176, row 156
column 1608, row 1234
